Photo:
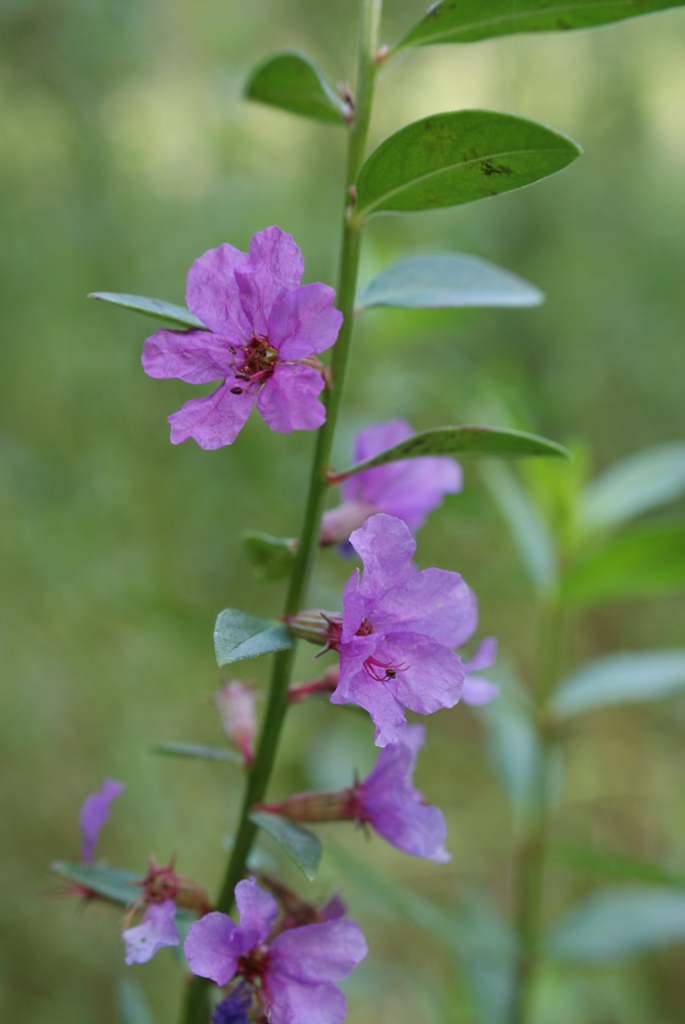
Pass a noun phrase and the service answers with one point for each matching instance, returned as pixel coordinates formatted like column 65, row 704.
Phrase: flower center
column 258, row 359
column 383, row 671
column 254, row 965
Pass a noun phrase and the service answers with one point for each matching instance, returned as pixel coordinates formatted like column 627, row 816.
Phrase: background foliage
column 127, row 151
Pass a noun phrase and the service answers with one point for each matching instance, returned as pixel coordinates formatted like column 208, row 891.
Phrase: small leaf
column 238, row 635
column 457, row 157
column 152, row 307
column 447, row 280
column 648, row 560
column 621, row 679
column 200, row 750
column 471, row 20
column 112, row 884
column 133, row 1007
column 303, row 847
column 617, row 922
column 293, row 82
column 528, row 530
column 617, row 866
column 271, row 557
column 634, row 485
column 467, row 442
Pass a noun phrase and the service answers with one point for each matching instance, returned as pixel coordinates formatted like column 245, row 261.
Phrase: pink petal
column 215, row 420
column 434, row 602
column 289, row 1002
column 197, row 357
column 258, row 910
column 275, row 259
column 485, row 656
column 95, row 811
column 318, row 952
column 207, row 948
column 288, row 401
column 386, row 548
column 433, row 675
column 478, row 691
column 304, row 321
column 385, row 710
column 212, row 291
column 156, row 930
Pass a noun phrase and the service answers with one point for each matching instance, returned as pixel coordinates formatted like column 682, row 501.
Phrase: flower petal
column 478, row 691
column 276, row 261
column 258, row 910
column 304, row 321
column 156, row 930
column 432, row 674
column 95, row 811
column 197, row 357
column 289, row 1002
column 485, row 656
column 288, row 401
column 207, row 948
column 386, row 711
column 215, row 420
column 386, row 547
column 434, row 602
column 318, row 952
column 212, row 291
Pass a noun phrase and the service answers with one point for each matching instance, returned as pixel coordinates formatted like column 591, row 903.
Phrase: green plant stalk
column 531, row 855
column 196, row 1005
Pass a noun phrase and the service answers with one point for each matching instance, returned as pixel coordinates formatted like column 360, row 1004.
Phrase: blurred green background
column 125, row 152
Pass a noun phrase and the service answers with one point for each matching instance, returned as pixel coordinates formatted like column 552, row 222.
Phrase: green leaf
column 133, row 1007
column 112, row 884
column 447, row 280
column 634, row 485
column 467, row 21
column 617, row 866
column 200, row 750
column 467, row 442
column 618, row 922
column 152, row 307
column 648, row 560
column 293, row 82
column 238, row 635
column 271, row 557
column 528, row 530
column 303, row 847
column 621, row 679
column 457, row 157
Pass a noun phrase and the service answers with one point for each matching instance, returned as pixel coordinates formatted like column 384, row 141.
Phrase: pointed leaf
column 293, row 82
column 528, row 530
column 113, row 884
column 271, row 557
column 447, row 280
column 303, row 847
column 467, row 442
column 617, row 922
column 200, row 750
column 152, row 307
column 470, row 20
column 648, row 560
column 133, row 1007
column 238, row 635
column 621, row 679
column 457, row 157
column 634, row 485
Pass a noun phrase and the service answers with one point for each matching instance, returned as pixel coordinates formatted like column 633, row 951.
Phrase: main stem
column 195, row 1011
column 531, row 856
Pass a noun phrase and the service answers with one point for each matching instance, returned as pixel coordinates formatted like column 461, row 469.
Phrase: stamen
column 373, row 665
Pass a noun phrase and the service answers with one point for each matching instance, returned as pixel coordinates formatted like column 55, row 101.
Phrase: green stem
column 531, row 856
column 196, row 1006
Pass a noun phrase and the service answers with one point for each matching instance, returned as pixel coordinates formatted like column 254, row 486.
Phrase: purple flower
column 233, row 1009
column 476, row 690
column 264, row 329
column 388, row 801
column 293, row 974
column 397, row 628
column 157, row 929
column 408, row 489
column 95, row 811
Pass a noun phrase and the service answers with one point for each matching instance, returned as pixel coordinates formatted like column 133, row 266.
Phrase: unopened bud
column 341, row 806
column 320, row 687
column 338, row 523
column 235, row 703
column 318, row 627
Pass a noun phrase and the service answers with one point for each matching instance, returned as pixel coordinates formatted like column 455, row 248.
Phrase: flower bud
column 338, row 523
column 342, row 806
column 235, row 703
column 316, row 626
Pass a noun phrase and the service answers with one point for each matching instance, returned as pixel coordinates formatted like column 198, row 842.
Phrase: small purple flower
column 95, row 811
column 409, row 489
column 234, row 1008
column 293, row 974
column 397, row 628
column 264, row 330
column 476, row 690
column 388, row 801
column 157, row 929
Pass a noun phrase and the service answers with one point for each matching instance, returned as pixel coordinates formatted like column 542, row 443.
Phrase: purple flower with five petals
column 388, row 801
column 95, row 811
column 156, row 930
column 397, row 628
column 264, row 331
column 409, row 489
column 293, row 974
